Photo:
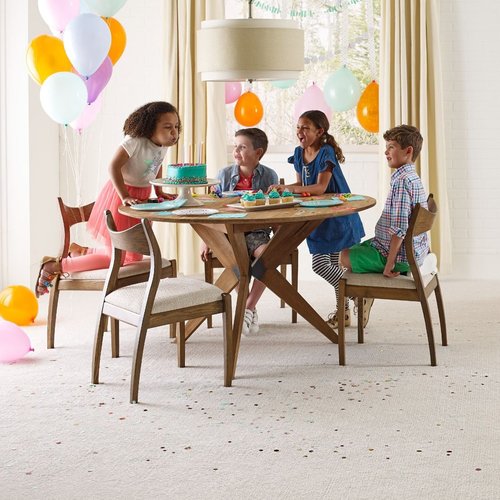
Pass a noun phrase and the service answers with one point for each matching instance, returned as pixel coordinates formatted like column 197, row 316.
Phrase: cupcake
column 286, row 196
column 248, row 200
column 274, row 197
column 260, row 199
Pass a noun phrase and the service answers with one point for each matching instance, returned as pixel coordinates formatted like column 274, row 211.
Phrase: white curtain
column 411, row 93
column 201, row 108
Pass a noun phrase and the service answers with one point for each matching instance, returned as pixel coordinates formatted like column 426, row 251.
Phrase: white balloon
column 63, row 96
column 87, row 40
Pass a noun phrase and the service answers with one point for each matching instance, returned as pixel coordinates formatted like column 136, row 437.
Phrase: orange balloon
column 367, row 109
column 46, row 56
column 18, row 304
column 118, row 38
column 248, row 110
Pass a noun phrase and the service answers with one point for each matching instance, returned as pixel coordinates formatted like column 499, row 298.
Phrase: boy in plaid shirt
column 385, row 253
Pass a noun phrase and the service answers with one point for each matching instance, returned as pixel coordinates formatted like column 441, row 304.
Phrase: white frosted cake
column 186, row 173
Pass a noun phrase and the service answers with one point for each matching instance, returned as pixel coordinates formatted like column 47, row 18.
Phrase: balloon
column 96, row 82
column 283, row 84
column 58, row 13
column 106, row 8
column 367, row 109
column 248, row 110
column 232, row 91
column 87, row 40
column 18, row 304
column 63, row 96
column 313, row 98
column 118, row 39
column 88, row 115
column 46, row 56
column 342, row 90
column 14, row 343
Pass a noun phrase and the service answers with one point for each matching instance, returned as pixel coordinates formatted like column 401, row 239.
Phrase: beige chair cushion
column 129, row 270
column 173, row 293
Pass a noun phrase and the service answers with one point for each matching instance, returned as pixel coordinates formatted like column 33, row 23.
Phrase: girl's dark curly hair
column 142, row 122
column 319, row 119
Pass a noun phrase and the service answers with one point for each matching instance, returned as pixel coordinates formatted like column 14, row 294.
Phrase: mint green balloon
column 283, row 84
column 342, row 90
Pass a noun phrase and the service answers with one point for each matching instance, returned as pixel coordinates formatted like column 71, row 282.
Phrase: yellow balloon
column 46, row 56
column 118, row 39
column 248, row 110
column 367, row 108
column 18, row 304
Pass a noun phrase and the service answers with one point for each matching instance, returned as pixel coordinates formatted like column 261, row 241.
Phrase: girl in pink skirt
column 149, row 131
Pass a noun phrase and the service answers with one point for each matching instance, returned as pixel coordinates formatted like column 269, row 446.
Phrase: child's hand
column 278, row 187
column 204, row 251
column 129, row 200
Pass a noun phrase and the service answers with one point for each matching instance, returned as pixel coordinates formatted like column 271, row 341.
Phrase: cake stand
column 185, row 190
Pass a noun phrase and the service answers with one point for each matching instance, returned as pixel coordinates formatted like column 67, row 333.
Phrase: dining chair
column 291, row 259
column 156, row 302
column 94, row 280
column 417, row 286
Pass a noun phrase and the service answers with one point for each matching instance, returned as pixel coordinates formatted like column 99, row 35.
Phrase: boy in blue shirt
column 247, row 173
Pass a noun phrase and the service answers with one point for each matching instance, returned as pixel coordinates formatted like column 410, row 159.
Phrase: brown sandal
column 45, row 278
column 75, row 248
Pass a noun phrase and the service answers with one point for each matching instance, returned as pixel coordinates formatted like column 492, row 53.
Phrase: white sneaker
column 250, row 323
column 254, row 327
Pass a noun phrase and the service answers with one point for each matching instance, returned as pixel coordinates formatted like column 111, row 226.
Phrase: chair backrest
column 421, row 221
column 71, row 216
column 138, row 239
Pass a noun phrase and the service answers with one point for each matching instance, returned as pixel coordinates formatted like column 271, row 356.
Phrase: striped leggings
column 327, row 266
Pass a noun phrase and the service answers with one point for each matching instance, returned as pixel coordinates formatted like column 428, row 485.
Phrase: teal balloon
column 105, row 8
column 342, row 90
column 63, row 96
column 283, row 84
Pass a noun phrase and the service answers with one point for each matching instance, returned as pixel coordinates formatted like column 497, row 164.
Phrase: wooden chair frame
column 421, row 221
column 76, row 215
column 140, row 238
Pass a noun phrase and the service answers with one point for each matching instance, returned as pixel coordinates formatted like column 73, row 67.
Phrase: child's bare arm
column 115, row 172
column 394, row 247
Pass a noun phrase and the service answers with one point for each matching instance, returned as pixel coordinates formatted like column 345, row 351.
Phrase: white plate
column 195, row 211
column 164, row 205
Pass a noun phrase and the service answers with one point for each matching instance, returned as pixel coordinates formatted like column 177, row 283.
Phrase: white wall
column 471, row 46
column 470, row 39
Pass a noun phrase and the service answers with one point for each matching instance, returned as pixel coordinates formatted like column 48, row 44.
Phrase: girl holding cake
column 149, row 131
column 317, row 165
column 248, row 173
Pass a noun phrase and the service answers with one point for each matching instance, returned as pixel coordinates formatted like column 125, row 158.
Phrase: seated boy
column 385, row 253
column 248, row 173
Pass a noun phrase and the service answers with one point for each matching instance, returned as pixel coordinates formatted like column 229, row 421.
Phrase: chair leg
column 227, row 329
column 341, row 323
column 283, row 272
column 442, row 318
column 295, row 279
column 172, row 330
column 209, row 278
column 361, row 333
column 52, row 314
column 96, row 356
column 137, row 362
column 115, row 338
column 181, row 345
column 428, row 327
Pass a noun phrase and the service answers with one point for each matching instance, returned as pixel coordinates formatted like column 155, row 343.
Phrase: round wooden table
column 225, row 236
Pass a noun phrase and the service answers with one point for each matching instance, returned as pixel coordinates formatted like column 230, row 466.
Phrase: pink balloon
column 97, row 81
column 232, row 91
column 14, row 343
column 313, row 98
column 88, row 115
column 58, row 13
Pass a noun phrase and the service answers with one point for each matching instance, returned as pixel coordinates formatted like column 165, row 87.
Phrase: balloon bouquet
column 74, row 65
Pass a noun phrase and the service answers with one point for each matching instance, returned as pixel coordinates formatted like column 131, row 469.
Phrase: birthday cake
column 186, row 173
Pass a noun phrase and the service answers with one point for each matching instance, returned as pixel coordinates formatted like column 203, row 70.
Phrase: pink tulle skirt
column 108, row 199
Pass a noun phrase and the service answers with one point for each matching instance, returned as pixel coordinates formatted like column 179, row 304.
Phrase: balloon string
column 371, row 38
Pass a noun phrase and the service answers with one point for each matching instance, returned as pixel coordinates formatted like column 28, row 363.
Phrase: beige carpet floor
column 294, row 425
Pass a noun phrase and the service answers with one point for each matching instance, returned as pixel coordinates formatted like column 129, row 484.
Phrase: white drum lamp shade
column 250, row 49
